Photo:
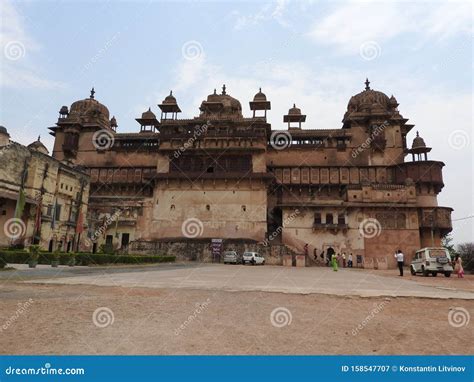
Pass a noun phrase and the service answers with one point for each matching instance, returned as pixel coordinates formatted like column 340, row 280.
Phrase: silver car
column 432, row 260
column 232, row 257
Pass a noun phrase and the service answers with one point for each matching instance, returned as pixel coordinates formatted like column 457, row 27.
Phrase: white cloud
column 17, row 47
column 271, row 11
column 351, row 24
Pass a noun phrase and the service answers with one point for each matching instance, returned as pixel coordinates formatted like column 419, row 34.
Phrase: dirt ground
column 466, row 283
column 59, row 320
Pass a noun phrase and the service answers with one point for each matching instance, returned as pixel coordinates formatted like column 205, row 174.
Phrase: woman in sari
column 334, row 262
column 458, row 267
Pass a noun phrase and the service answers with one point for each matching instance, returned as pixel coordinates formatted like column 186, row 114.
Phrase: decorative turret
column 260, row 103
column 113, row 123
column 148, row 121
column 294, row 116
column 63, row 112
column 419, row 149
column 169, row 105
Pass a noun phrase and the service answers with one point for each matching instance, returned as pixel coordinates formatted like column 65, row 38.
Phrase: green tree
column 447, row 242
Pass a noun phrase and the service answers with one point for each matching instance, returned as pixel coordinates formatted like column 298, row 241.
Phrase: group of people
column 335, row 260
column 456, row 263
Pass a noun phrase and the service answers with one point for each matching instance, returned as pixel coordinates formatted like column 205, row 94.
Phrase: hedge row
column 22, row 257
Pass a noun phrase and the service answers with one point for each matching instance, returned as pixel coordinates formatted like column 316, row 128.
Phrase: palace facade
column 358, row 188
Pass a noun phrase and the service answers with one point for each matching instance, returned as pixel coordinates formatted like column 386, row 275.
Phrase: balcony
column 437, row 218
column 334, row 228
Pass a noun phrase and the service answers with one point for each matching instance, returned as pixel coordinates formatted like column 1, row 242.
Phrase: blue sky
column 312, row 53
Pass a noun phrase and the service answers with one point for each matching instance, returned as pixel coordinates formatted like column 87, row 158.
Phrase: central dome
column 221, row 104
column 89, row 110
column 369, row 102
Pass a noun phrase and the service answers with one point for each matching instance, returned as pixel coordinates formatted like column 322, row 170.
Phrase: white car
column 432, row 260
column 253, row 258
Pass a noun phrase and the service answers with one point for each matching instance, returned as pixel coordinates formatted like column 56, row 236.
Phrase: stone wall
column 189, row 250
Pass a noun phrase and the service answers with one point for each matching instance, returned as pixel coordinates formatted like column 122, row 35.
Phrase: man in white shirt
column 399, row 256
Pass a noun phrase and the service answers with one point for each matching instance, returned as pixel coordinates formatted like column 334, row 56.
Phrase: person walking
column 344, row 259
column 349, row 260
column 458, row 268
column 334, row 262
column 399, row 256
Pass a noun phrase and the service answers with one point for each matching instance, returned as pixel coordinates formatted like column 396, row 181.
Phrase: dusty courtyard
column 217, row 309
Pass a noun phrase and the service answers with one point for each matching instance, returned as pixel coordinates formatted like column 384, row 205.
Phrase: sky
column 313, row 53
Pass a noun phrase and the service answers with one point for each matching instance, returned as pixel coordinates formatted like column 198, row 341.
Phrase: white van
column 432, row 260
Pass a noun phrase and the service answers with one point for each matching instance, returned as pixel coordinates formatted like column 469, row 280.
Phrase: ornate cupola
column 63, row 112
column 148, row 122
column 419, row 149
column 169, row 105
column 294, row 116
column 260, row 103
column 113, row 123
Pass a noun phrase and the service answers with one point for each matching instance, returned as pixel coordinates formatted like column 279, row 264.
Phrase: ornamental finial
column 367, row 83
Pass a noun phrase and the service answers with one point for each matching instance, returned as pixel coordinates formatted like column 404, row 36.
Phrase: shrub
column 3, row 261
column 82, row 258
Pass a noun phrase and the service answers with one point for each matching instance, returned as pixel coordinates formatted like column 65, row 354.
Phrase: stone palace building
column 358, row 188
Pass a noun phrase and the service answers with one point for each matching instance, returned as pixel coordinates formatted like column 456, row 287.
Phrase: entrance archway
column 329, row 253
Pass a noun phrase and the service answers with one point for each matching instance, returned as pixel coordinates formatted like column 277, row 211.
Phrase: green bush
column 3, row 261
column 82, row 258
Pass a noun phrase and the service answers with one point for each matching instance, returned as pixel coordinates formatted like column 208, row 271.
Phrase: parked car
column 253, row 258
column 232, row 257
column 432, row 260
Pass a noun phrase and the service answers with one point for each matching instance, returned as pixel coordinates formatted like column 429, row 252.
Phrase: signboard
column 216, row 250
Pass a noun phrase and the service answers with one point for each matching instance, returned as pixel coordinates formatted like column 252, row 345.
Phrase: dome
column 3, row 130
column 170, row 99
column 370, row 99
column 89, row 110
column 221, row 104
column 418, row 142
column 148, row 114
column 294, row 110
column 38, row 146
column 260, row 96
